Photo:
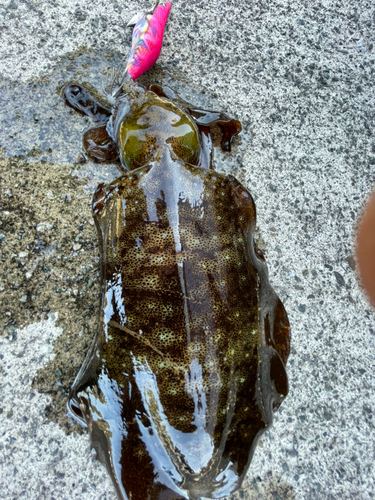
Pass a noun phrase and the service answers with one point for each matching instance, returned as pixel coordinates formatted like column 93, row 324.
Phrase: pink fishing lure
column 147, row 41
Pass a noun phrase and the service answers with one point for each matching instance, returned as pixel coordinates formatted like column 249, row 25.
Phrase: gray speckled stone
column 300, row 77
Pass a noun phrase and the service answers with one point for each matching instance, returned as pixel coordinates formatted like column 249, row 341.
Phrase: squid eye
column 75, row 91
column 76, row 413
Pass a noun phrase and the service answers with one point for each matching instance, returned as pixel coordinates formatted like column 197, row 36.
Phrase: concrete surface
column 300, row 77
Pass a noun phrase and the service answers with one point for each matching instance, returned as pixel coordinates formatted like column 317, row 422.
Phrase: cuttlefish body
column 187, row 365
